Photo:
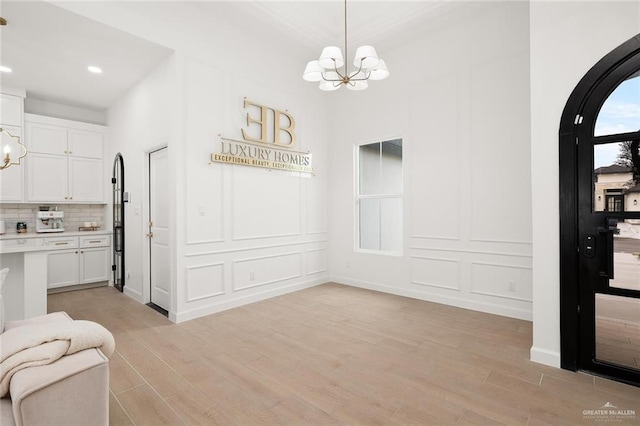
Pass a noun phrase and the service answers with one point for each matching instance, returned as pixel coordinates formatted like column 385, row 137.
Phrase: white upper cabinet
column 47, row 178
column 65, row 160
column 84, row 183
column 46, row 139
column 85, row 144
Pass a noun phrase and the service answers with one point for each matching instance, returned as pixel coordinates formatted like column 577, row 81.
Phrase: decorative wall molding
column 486, row 240
column 233, row 219
column 223, row 305
column 270, row 281
column 201, row 242
column 264, row 237
column 438, row 285
column 496, row 294
column 502, row 265
column 188, row 269
column 428, row 237
column 310, row 272
column 453, row 299
column 253, row 248
column 502, row 296
column 490, row 253
column 196, row 69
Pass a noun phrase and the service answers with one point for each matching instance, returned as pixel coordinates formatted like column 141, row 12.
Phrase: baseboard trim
column 244, row 300
column 544, row 356
column 474, row 305
column 77, row 287
column 133, row 294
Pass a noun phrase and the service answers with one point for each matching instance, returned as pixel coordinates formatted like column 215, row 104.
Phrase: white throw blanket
column 43, row 343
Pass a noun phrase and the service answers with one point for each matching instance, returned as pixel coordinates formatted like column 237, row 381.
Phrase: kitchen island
column 27, row 257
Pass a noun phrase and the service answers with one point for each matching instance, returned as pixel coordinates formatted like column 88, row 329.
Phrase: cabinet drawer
column 16, row 245
column 95, row 241
column 60, row 243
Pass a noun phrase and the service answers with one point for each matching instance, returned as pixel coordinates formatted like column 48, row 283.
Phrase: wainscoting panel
column 258, row 271
column 501, row 280
column 500, row 184
column 436, row 141
column 435, row 272
column 204, row 281
column 204, row 182
column 265, row 204
column 316, row 261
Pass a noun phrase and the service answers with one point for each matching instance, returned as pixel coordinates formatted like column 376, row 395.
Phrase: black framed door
column 117, row 180
column 600, row 219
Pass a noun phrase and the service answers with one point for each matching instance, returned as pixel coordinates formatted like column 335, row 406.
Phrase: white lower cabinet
column 87, row 262
column 94, row 265
column 62, row 268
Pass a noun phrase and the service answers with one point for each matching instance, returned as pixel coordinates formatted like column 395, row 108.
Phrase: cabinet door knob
column 66, row 198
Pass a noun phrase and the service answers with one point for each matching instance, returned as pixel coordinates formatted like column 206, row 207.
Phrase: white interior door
column 159, row 228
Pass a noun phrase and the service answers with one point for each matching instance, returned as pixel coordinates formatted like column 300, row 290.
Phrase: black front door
column 607, row 133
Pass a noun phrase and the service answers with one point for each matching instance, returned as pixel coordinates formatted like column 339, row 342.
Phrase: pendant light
column 331, row 71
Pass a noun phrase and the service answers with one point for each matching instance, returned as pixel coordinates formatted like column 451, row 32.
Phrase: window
column 379, row 197
column 620, row 113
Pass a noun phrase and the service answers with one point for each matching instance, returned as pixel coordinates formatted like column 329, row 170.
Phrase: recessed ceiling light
column 5, row 69
column 95, row 70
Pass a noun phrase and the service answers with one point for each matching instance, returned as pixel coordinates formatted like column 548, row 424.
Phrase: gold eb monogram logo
column 278, row 129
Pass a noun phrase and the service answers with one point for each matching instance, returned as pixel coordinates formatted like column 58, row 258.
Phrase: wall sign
column 268, row 141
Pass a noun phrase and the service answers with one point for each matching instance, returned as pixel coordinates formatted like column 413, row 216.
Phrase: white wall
column 239, row 234
column 249, row 233
column 459, row 98
column 139, row 122
column 567, row 39
column 58, row 110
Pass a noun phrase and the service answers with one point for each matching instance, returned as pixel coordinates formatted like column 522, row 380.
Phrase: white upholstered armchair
column 73, row 390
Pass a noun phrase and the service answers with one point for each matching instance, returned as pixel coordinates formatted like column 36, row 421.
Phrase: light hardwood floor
column 334, row 354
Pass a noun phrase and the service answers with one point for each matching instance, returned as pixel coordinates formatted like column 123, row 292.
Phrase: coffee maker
column 50, row 222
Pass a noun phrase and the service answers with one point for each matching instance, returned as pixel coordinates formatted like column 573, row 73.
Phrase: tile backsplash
column 74, row 215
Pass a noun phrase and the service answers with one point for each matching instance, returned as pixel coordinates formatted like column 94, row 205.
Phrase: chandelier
column 329, row 71
column 12, row 150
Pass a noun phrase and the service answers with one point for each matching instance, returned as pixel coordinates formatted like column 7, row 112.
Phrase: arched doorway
column 600, row 219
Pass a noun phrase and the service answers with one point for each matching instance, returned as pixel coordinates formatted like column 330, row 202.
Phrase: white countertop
column 16, row 236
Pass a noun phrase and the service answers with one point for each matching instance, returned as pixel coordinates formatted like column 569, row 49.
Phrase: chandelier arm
column 368, row 74
column 335, row 68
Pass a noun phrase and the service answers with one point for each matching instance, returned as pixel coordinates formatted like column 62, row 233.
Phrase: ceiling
column 315, row 24
column 49, row 48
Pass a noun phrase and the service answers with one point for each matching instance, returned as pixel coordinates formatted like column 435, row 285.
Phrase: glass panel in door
column 618, row 330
